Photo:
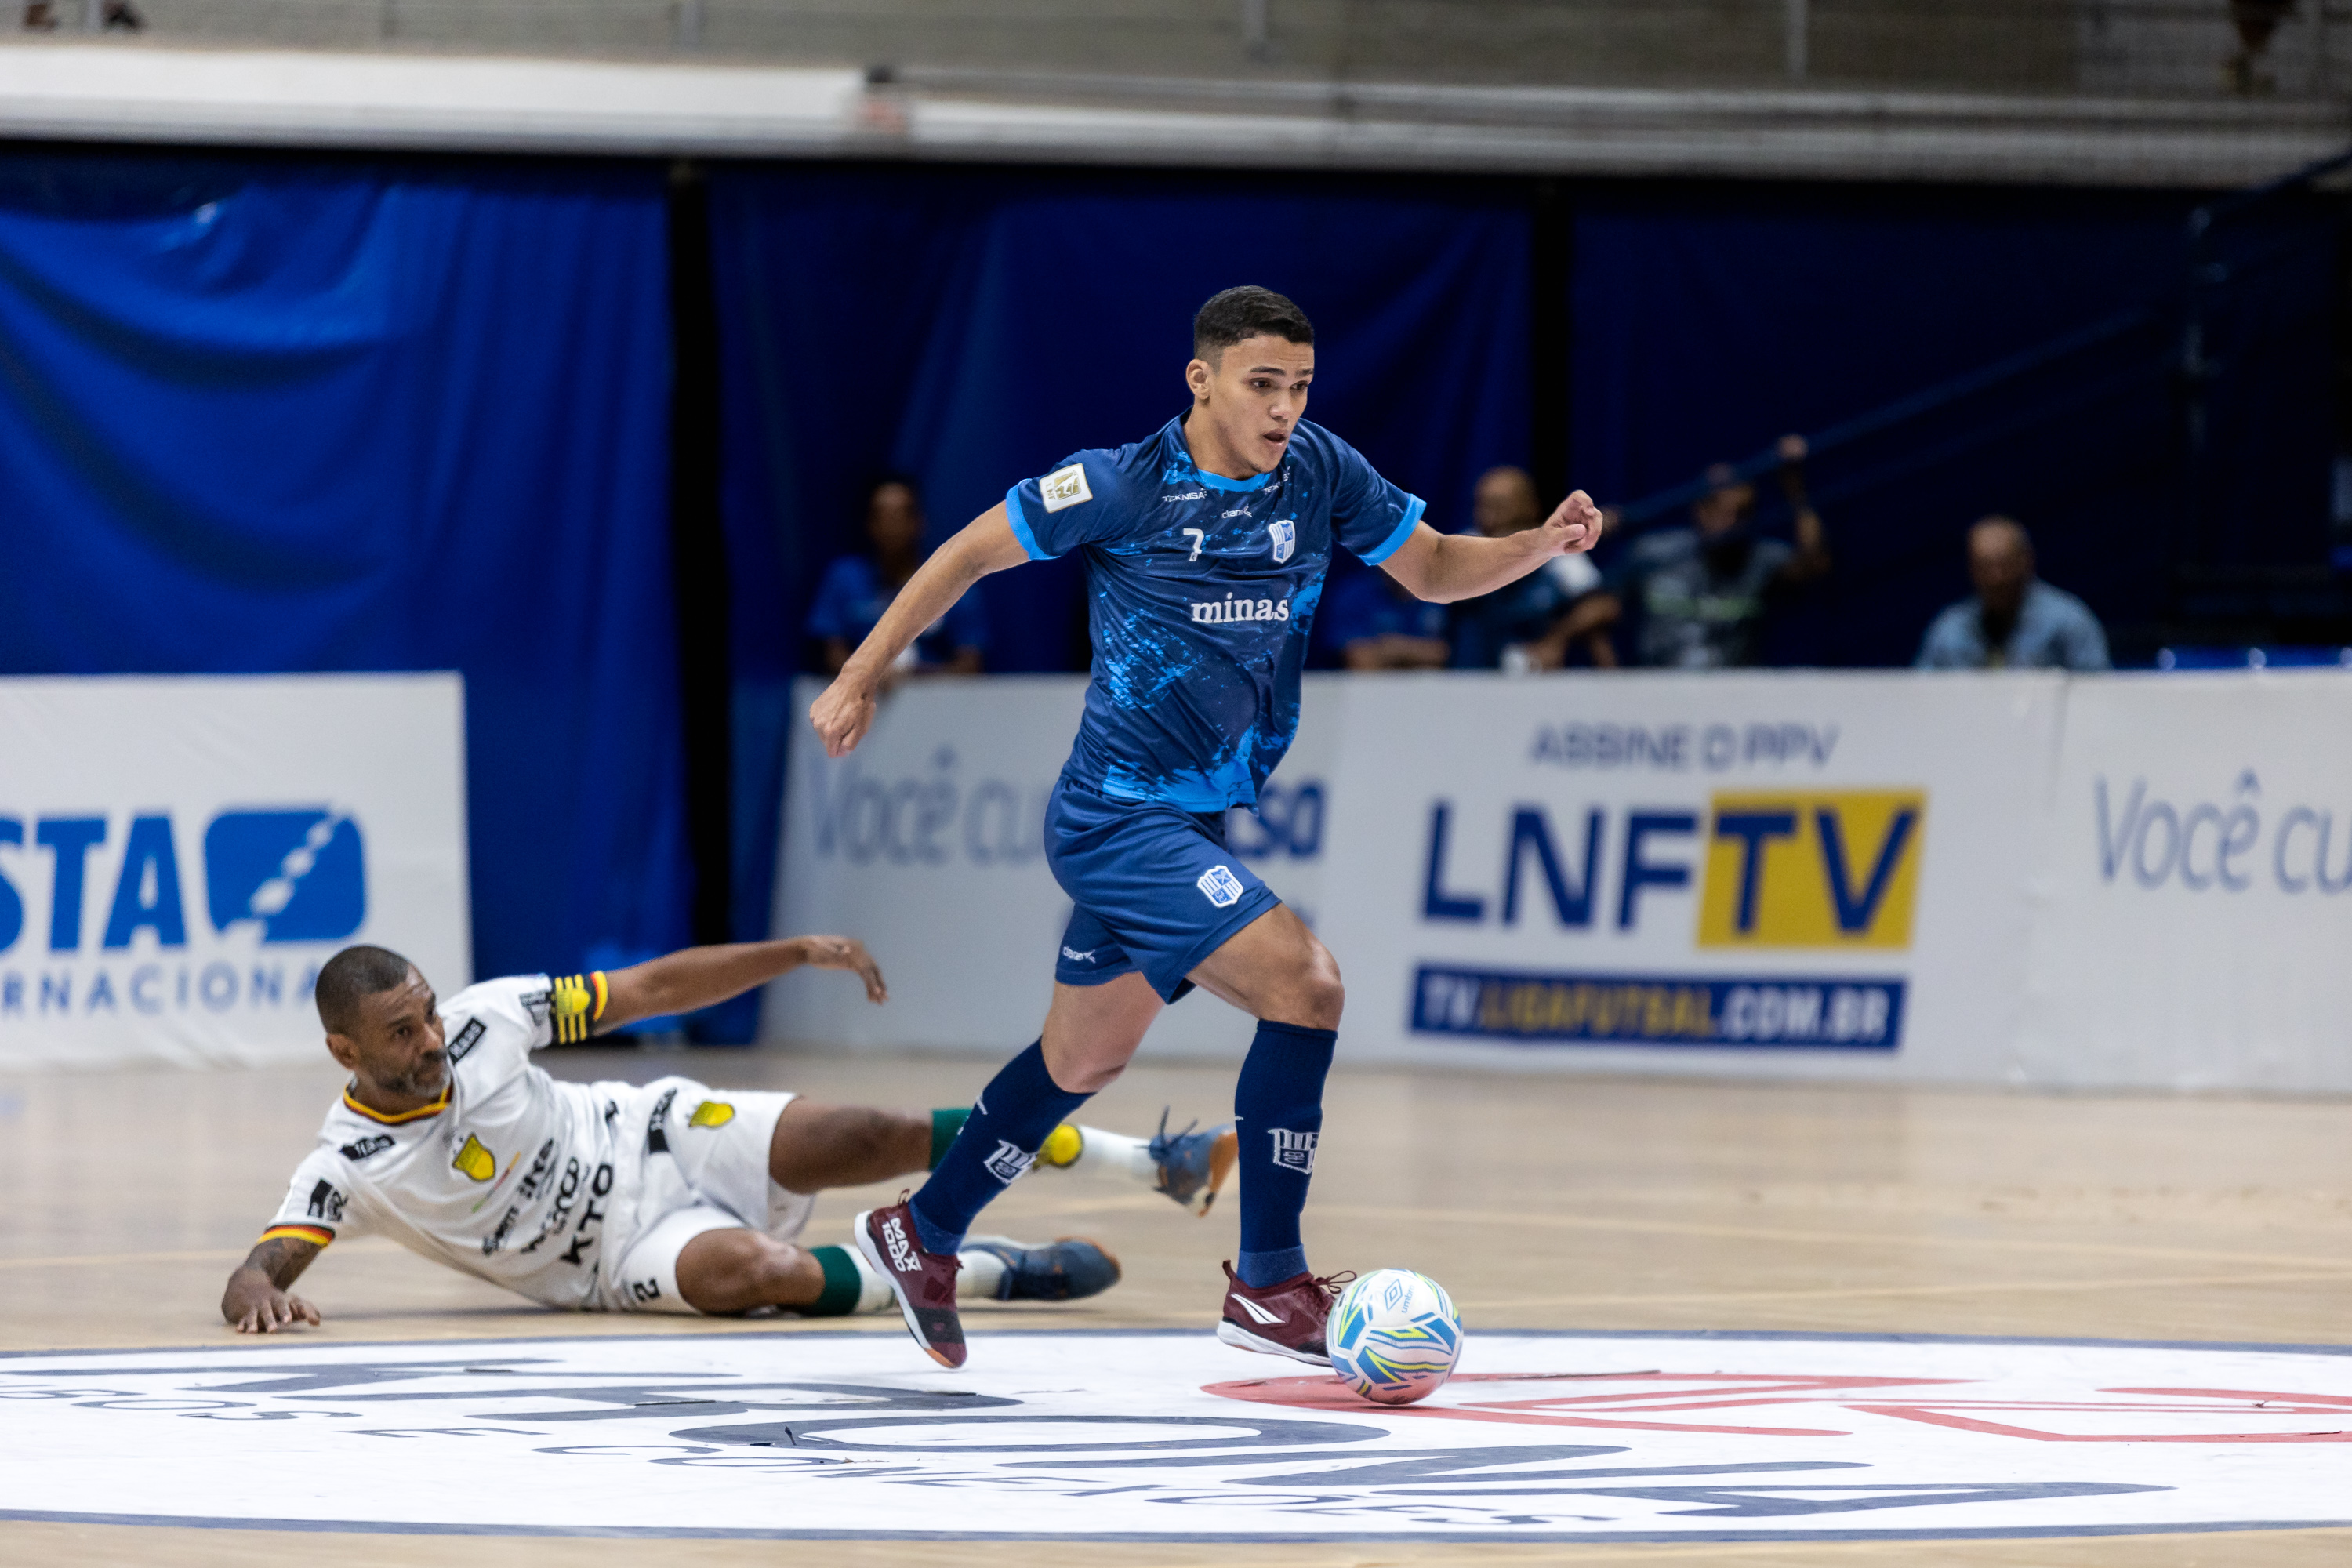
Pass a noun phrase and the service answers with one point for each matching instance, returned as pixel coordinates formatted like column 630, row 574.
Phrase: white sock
column 981, row 1273
column 1102, row 1154
column 873, row 1290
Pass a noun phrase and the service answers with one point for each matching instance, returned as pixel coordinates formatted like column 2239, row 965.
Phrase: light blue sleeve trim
column 1414, row 507
column 1013, row 514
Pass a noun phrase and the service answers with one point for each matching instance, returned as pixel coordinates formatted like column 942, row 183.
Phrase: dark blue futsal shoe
column 1069, row 1270
column 1193, row 1165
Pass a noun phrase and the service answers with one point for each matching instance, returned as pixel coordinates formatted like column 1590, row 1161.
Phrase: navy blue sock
column 1278, row 1108
column 1016, row 1112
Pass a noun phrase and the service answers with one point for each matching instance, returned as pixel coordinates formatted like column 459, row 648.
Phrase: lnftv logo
column 299, row 872
column 1787, row 869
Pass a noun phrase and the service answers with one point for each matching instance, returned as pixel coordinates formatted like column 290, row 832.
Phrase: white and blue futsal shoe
column 1192, row 1166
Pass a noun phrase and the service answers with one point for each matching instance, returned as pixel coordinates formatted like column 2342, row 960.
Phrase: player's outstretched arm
column 700, row 976
column 1444, row 567
column 257, row 1301
column 846, row 711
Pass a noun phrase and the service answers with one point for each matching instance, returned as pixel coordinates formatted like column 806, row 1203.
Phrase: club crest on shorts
column 1220, row 887
column 1285, row 535
column 1294, row 1151
column 1008, row 1163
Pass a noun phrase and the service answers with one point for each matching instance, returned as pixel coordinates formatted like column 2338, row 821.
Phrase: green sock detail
column 945, row 1125
column 843, row 1284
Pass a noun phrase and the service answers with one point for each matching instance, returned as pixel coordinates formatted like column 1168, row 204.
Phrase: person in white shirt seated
column 669, row 1196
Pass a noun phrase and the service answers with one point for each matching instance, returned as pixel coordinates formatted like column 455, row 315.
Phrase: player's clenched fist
column 842, row 714
column 1575, row 527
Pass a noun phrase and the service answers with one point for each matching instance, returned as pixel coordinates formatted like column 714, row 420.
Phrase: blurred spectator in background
column 1370, row 622
column 857, row 588
column 1537, row 621
column 2015, row 621
column 1703, row 591
column 2257, row 21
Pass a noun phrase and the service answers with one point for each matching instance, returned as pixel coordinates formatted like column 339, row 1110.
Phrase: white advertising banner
column 928, row 842
column 178, row 855
column 1819, row 873
column 2193, row 924
column 2016, row 878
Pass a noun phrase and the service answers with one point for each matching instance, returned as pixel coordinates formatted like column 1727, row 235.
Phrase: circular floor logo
column 1171, row 1436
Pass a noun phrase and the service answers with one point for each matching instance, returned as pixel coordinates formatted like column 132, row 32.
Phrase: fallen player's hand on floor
column 274, row 1311
column 847, row 953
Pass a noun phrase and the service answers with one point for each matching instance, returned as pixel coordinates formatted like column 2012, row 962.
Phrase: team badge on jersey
column 1285, row 535
column 711, row 1113
column 476, row 1161
column 1064, row 487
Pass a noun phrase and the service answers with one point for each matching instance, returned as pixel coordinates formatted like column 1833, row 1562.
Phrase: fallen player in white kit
column 665, row 1197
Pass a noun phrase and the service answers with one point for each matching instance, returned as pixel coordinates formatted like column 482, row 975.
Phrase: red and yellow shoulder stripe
column 419, row 1114
column 578, row 1002
column 316, row 1234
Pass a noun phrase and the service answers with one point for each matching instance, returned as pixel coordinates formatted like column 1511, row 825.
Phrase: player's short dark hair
column 350, row 977
column 1240, row 314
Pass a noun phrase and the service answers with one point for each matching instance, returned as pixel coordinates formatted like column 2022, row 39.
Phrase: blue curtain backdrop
column 261, row 415
column 1709, row 320
column 969, row 328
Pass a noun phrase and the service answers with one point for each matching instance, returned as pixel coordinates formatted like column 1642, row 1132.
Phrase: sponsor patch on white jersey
column 1064, row 487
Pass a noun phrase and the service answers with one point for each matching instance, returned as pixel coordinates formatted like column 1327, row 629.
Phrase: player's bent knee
column 1318, row 997
column 725, row 1271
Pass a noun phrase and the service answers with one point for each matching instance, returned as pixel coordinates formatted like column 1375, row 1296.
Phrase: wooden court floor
column 1542, row 1202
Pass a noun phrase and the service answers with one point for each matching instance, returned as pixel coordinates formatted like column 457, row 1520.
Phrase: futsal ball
column 1394, row 1336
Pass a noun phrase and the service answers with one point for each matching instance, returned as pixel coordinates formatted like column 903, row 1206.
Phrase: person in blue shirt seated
column 1372, row 622
column 2015, row 620
column 857, row 589
column 1534, row 622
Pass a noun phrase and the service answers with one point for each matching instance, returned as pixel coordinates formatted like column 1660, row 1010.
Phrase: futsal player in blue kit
column 1206, row 546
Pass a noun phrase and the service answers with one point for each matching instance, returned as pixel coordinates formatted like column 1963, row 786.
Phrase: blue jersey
column 1202, row 590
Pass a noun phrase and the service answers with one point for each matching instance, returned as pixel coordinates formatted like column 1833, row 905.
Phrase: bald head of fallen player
column 382, row 1021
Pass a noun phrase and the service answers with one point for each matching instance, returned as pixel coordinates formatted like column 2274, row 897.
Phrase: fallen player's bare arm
column 698, row 976
column 255, row 1301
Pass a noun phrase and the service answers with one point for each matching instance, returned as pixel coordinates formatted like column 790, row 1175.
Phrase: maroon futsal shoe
column 924, row 1282
column 1287, row 1319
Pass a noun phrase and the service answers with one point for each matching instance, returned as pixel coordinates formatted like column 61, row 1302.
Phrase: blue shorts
column 1156, row 889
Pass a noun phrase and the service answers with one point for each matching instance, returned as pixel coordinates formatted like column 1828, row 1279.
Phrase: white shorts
column 706, row 1168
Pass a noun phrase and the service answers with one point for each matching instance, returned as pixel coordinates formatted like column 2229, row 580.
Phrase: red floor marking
column 1671, row 1392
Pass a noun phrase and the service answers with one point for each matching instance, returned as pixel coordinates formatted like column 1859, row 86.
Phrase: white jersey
column 524, row 1181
